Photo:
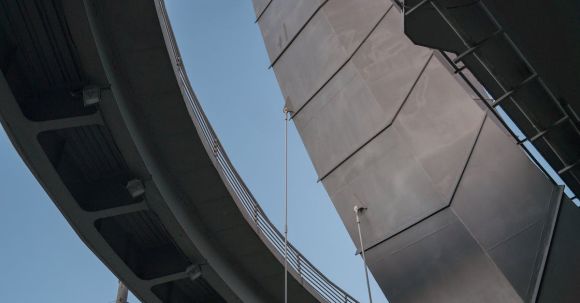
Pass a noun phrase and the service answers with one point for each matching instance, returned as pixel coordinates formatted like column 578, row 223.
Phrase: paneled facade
column 456, row 211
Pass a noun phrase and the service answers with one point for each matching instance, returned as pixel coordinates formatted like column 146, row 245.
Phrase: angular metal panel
column 324, row 45
column 502, row 192
column 506, row 203
column 386, row 178
column 522, row 257
column 518, row 258
column 368, row 91
column 561, row 280
column 323, row 123
column 523, row 63
column 438, row 261
column 352, row 20
column 282, row 21
column 260, row 6
column 410, row 170
column 390, row 63
column 487, row 245
column 441, row 123
column 311, row 59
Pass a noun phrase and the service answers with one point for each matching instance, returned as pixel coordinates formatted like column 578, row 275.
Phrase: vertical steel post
column 122, row 293
column 286, row 118
column 357, row 210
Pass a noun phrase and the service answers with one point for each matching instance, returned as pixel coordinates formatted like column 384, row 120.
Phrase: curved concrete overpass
column 96, row 101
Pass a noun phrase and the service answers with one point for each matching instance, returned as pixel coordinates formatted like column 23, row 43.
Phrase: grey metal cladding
column 260, row 6
column 366, row 92
column 522, row 69
column 352, row 20
column 389, row 63
column 282, row 21
column 395, row 201
column 333, row 124
column 438, row 261
column 456, row 210
column 519, row 258
column 561, row 280
column 507, row 204
column 440, row 122
column 411, row 169
column 501, row 192
column 324, row 45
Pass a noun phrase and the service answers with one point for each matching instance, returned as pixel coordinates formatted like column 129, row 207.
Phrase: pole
column 357, row 210
column 286, row 117
column 122, row 293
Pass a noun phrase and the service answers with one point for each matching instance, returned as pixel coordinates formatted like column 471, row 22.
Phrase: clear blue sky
column 227, row 63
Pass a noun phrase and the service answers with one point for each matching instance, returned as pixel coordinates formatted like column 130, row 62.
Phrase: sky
column 43, row 260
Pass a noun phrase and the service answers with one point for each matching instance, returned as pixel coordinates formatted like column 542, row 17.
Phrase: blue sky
column 43, row 260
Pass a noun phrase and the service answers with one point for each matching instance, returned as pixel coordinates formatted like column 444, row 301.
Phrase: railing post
column 255, row 210
column 215, row 147
column 300, row 268
column 268, row 231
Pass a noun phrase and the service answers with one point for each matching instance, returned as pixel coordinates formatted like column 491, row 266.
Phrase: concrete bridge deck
column 97, row 102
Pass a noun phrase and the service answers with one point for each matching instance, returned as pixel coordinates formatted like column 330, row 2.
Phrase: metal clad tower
column 456, row 211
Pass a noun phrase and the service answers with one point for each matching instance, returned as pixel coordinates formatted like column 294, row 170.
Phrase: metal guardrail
column 495, row 103
column 304, row 272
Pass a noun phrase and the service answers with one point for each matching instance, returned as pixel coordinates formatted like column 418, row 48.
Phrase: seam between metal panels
column 548, row 245
column 398, row 5
column 499, row 83
column 366, row 142
column 263, row 11
column 448, row 204
column 283, row 51
column 494, row 112
column 343, row 64
column 468, row 158
column 379, row 242
column 541, row 249
column 484, row 251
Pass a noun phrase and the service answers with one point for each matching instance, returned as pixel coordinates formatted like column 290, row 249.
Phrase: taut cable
column 357, row 210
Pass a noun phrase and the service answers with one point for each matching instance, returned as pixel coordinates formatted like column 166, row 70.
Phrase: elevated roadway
column 95, row 98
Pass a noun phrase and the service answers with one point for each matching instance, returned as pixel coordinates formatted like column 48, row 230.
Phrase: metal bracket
column 136, row 188
column 91, row 95
column 194, row 272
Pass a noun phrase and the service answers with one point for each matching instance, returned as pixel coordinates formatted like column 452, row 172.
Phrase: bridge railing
column 305, row 273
